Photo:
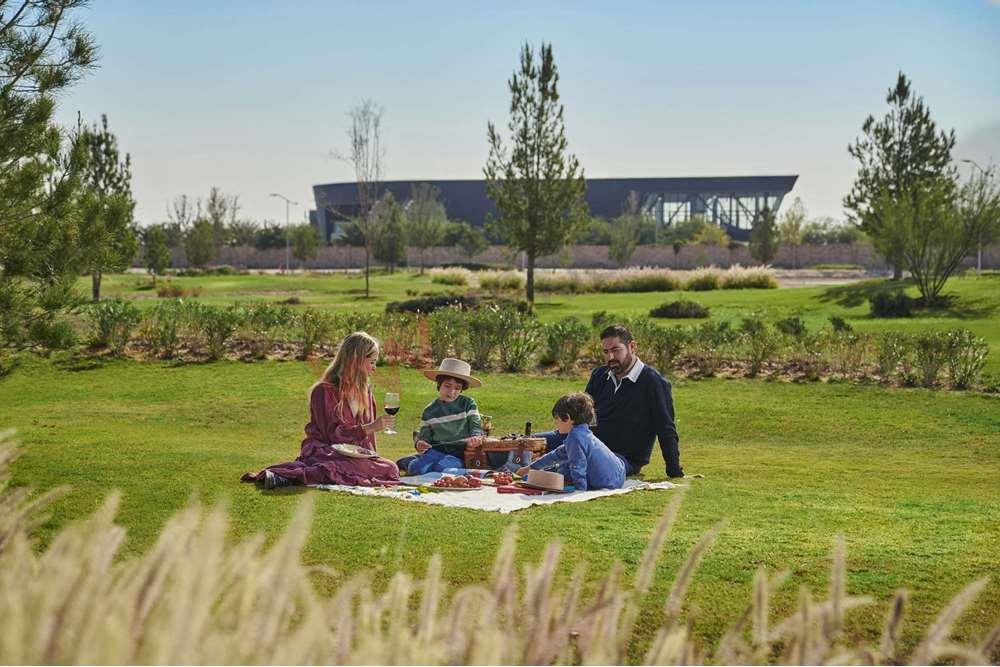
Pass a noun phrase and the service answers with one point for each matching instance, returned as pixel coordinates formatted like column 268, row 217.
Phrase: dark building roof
column 467, row 199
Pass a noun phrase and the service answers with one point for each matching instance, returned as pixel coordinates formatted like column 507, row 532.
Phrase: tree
column 764, row 237
column 538, row 188
column 42, row 53
column 425, row 219
column 901, row 155
column 304, row 240
column 707, row 233
column 791, row 229
column 679, row 234
column 157, row 258
column 242, row 232
column 388, row 229
column 472, row 241
column 221, row 210
column 941, row 225
column 366, row 155
column 199, row 243
column 626, row 230
column 107, row 239
column 270, row 235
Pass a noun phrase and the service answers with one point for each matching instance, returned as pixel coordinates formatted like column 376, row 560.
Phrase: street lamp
column 288, row 202
column 979, row 241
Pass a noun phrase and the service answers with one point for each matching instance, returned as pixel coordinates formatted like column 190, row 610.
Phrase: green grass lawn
column 975, row 306
column 911, row 478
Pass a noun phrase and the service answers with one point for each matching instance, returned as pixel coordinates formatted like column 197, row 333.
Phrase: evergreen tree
column 764, row 237
column 471, row 240
column 388, row 230
column 901, row 155
column 538, row 188
column 304, row 240
column 199, row 243
column 157, row 258
column 426, row 219
column 107, row 239
column 626, row 230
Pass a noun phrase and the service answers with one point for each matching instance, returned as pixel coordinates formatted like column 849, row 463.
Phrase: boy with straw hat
column 448, row 423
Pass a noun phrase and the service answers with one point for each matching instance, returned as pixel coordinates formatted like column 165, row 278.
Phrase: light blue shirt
column 584, row 461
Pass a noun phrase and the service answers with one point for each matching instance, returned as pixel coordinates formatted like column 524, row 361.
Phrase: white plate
column 354, row 451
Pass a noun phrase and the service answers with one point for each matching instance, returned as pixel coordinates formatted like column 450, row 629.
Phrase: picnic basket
column 494, row 452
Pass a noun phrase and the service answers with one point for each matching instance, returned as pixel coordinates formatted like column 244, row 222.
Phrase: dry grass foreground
column 196, row 599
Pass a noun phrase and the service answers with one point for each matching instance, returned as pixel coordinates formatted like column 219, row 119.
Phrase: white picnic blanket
column 487, row 498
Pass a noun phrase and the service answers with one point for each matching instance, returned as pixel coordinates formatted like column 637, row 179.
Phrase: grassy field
column 909, row 477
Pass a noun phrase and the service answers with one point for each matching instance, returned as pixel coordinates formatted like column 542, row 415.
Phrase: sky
column 252, row 96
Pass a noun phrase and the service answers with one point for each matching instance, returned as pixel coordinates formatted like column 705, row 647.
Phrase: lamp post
column 288, row 202
column 979, row 241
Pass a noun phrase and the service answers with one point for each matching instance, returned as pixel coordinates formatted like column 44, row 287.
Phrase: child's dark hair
column 441, row 378
column 577, row 407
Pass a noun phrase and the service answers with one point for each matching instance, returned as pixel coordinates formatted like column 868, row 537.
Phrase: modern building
column 732, row 202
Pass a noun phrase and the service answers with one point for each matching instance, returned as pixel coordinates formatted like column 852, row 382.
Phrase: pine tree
column 157, row 258
column 108, row 240
column 764, row 237
column 538, row 188
column 900, row 155
column 388, row 230
column 304, row 240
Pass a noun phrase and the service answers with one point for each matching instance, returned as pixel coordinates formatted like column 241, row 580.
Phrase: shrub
column 891, row 304
column 711, row 341
column 316, row 327
column 643, row 280
column 932, row 354
column 428, row 304
column 666, row 345
column 113, row 322
column 214, row 326
column 602, row 318
column 792, row 326
column 891, row 348
column 839, row 324
column 263, row 323
column 455, row 276
column 966, row 357
column 446, row 327
column 162, row 326
column 847, row 351
column 168, row 290
column 485, row 332
column 519, row 339
column 51, row 332
column 681, row 309
column 498, row 281
column 565, row 340
column 703, row 280
column 398, row 333
column 755, row 277
column 761, row 342
column 565, row 282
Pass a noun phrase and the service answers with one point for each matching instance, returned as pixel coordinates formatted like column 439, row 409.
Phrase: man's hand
column 474, row 440
column 421, row 446
column 522, row 471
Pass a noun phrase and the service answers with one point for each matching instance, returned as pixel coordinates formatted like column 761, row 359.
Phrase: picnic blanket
column 488, row 500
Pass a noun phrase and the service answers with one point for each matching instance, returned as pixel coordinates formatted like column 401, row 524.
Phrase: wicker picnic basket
column 494, row 450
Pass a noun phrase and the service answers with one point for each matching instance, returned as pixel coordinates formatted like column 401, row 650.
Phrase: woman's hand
column 381, row 423
column 421, row 446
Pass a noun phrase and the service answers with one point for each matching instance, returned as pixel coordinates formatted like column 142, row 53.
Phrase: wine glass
column 391, row 408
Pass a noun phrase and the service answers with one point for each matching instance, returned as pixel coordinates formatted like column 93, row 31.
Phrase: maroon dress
column 318, row 462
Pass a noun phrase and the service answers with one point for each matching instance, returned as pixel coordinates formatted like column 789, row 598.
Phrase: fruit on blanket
column 459, row 482
column 503, row 478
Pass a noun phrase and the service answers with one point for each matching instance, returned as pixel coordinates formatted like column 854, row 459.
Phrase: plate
column 354, row 451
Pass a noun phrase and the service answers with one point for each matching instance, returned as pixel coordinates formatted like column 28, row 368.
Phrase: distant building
column 732, row 202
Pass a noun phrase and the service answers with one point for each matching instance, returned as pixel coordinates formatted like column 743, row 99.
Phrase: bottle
column 527, row 429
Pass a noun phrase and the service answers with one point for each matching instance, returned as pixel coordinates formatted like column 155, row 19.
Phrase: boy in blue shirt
column 583, row 460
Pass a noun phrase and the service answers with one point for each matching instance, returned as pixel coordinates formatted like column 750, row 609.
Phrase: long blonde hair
column 348, row 372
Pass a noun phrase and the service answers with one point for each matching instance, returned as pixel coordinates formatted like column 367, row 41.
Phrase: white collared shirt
column 632, row 375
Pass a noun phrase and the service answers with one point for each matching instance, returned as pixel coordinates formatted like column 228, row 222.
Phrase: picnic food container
column 476, row 456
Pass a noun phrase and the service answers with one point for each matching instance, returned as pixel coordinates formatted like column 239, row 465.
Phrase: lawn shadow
column 951, row 305
column 75, row 362
column 853, row 295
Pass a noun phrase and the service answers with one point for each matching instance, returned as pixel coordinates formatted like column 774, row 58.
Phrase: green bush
column 519, row 339
column 839, row 324
column 456, row 277
column 702, row 281
column 711, row 342
column 891, row 348
column 112, row 322
column 966, row 357
column 263, row 324
column 565, row 339
column 891, row 304
column 485, row 332
column 215, row 326
column 501, row 281
column 643, row 282
column 316, row 327
column 666, row 345
column 398, row 334
column 792, row 326
column 681, row 309
column 748, row 278
column 52, row 332
column 447, row 330
column 932, row 354
column 428, row 304
column 760, row 341
column 162, row 326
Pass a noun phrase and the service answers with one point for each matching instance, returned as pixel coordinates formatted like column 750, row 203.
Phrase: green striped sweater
column 447, row 422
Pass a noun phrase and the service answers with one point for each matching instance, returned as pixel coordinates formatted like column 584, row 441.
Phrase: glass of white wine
column 391, row 408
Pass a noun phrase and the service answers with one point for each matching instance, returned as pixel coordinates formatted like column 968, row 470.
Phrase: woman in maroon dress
column 342, row 410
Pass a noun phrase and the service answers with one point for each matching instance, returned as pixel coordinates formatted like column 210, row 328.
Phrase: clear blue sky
column 251, row 96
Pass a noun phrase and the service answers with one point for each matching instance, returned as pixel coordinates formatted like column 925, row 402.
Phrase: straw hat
column 546, row 480
column 455, row 368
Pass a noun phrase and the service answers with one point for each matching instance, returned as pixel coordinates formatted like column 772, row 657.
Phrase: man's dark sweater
column 628, row 420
